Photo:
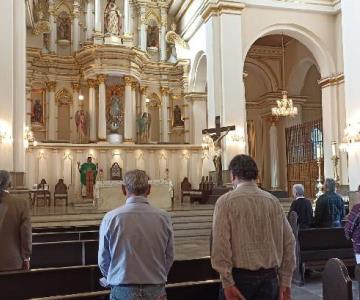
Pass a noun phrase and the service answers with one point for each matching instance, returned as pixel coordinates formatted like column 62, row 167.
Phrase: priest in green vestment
column 88, row 172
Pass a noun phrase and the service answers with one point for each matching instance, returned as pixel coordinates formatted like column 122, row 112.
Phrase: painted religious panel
column 115, row 109
column 38, row 109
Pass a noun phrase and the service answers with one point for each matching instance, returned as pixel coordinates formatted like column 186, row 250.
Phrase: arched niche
column 154, row 107
column 64, row 102
column 199, row 74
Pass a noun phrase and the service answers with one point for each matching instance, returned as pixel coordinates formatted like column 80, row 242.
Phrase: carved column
column 98, row 17
column 92, row 109
column 165, row 114
column 102, row 108
column 162, row 34
column 274, row 155
column 127, row 18
column 76, row 28
column 142, row 29
column 76, row 90
column 186, row 118
column 51, row 86
column 128, row 121
column 133, row 96
column 53, row 29
column 89, row 19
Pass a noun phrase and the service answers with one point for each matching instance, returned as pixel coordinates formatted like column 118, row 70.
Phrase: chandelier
column 285, row 106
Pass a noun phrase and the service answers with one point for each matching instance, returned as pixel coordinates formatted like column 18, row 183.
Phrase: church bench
column 208, row 290
column 40, row 237
column 79, row 228
column 64, row 253
column 81, row 279
column 318, row 245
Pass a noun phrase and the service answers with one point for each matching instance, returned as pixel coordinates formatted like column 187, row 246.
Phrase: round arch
column 267, row 73
column 198, row 78
column 323, row 59
column 298, row 75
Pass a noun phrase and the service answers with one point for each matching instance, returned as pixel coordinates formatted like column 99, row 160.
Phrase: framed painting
column 38, row 109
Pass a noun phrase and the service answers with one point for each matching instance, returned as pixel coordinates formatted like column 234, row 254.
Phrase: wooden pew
column 64, row 253
column 66, row 228
column 42, row 237
column 208, row 290
column 318, row 245
column 80, row 279
column 336, row 281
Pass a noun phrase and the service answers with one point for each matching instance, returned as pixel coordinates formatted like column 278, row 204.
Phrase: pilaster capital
column 51, row 86
column 164, row 91
column 331, row 80
column 134, row 85
column 101, row 78
column 143, row 89
column 75, row 86
column 220, row 8
column 273, row 120
column 92, row 83
column 127, row 80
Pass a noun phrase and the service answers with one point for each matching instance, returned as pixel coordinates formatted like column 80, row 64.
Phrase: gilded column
column 102, row 108
column 76, row 90
column 52, row 122
column 187, row 120
column 92, row 109
column 162, row 34
column 53, row 29
column 142, row 29
column 89, row 19
column 128, row 120
column 144, row 107
column 165, row 114
column 76, row 28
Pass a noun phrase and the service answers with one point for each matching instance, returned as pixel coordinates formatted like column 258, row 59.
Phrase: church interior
column 175, row 88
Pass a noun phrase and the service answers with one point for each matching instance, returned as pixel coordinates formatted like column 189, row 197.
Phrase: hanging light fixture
column 285, row 106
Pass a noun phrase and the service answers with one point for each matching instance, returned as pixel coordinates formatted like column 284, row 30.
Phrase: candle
column 318, row 151
column 333, row 148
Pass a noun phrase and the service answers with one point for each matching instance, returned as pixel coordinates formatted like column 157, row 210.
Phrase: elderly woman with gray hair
column 15, row 228
column 301, row 206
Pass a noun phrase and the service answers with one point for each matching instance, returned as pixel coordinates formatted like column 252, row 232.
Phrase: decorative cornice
column 332, row 80
column 222, row 7
column 51, row 86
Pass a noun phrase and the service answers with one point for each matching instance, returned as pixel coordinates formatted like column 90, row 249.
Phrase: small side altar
column 108, row 194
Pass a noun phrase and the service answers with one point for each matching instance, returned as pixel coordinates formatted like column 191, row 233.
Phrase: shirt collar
column 246, row 183
column 299, row 197
column 137, row 199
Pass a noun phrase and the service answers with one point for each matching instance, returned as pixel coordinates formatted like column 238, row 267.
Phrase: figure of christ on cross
column 217, row 134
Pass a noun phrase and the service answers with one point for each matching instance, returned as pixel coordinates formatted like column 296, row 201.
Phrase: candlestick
column 318, row 151
column 333, row 148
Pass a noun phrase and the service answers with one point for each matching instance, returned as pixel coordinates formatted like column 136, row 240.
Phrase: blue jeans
column 255, row 285
column 138, row 292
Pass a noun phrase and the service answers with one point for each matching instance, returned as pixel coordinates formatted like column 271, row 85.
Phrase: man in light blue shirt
column 136, row 244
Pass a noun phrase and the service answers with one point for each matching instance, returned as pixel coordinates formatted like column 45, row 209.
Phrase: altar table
column 108, row 194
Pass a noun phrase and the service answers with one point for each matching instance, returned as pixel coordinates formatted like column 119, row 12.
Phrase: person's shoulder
column 15, row 199
column 114, row 213
column 160, row 211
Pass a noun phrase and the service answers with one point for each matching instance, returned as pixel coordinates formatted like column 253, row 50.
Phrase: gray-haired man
column 136, row 244
column 302, row 206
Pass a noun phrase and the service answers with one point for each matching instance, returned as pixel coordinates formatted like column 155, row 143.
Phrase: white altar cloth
column 108, row 194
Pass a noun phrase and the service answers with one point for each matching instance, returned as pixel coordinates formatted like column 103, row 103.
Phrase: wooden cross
column 216, row 132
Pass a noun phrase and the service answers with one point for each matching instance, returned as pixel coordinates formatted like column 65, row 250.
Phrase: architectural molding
column 221, row 7
column 332, row 80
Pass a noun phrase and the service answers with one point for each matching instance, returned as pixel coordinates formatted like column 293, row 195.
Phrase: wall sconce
column 351, row 136
column 237, row 137
column 29, row 139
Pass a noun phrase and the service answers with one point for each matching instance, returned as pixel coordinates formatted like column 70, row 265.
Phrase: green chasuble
column 83, row 170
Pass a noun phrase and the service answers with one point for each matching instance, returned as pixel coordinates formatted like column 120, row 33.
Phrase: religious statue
column 112, row 16
column 37, row 115
column 217, row 137
column 178, row 122
column 64, row 27
column 81, row 124
column 173, row 39
column 143, row 124
column 153, row 36
column 88, row 172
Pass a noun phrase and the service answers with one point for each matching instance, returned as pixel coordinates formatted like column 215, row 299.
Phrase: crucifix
column 217, row 134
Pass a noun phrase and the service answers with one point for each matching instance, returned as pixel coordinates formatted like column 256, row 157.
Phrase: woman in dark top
column 352, row 228
column 302, row 206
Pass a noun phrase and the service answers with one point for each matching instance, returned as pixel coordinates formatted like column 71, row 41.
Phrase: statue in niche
column 37, row 114
column 114, row 118
column 112, row 18
column 81, row 124
column 153, row 36
column 64, row 27
column 178, row 121
column 143, row 124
